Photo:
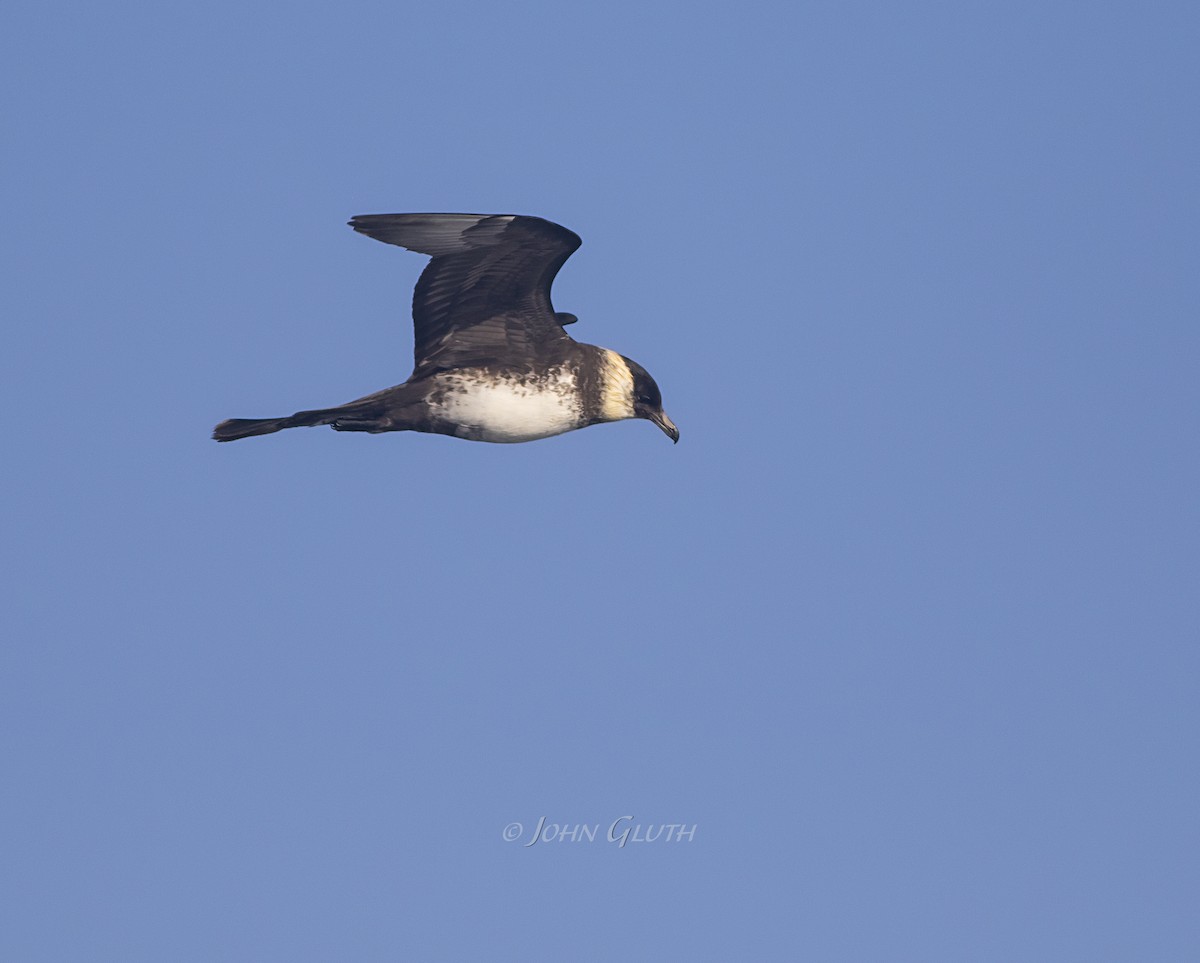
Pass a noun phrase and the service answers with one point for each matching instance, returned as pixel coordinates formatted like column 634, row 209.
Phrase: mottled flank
column 492, row 361
column 506, row 406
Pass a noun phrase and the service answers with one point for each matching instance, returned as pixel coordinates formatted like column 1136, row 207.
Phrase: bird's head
column 647, row 399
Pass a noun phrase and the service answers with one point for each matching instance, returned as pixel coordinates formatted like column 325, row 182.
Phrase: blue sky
column 905, row 626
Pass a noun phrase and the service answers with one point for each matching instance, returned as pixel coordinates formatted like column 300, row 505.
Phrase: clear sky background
column 906, row 625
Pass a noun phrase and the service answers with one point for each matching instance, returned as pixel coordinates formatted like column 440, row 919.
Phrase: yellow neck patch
column 616, row 387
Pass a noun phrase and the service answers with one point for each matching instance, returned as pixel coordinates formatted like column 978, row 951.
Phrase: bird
column 493, row 361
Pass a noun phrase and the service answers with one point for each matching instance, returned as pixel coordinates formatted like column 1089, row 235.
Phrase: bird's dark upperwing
column 485, row 296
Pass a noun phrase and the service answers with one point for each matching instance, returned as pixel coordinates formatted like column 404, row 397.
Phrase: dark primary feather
column 485, row 296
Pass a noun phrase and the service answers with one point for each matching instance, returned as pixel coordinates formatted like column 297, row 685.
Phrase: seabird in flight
column 493, row 361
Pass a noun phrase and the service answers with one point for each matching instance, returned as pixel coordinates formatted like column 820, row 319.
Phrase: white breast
column 509, row 409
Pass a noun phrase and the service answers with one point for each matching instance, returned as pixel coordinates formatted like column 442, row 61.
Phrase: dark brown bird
column 493, row 361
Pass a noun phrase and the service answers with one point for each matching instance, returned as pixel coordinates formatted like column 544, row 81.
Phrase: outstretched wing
column 485, row 296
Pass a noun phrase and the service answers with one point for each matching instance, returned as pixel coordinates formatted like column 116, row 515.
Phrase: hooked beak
column 666, row 424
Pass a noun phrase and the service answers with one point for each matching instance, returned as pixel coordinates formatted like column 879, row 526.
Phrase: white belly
column 509, row 409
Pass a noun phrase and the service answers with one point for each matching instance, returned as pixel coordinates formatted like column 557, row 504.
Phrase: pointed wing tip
column 361, row 222
column 439, row 234
column 432, row 234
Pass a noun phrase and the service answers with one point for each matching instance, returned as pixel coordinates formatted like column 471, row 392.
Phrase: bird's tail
column 236, row 428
